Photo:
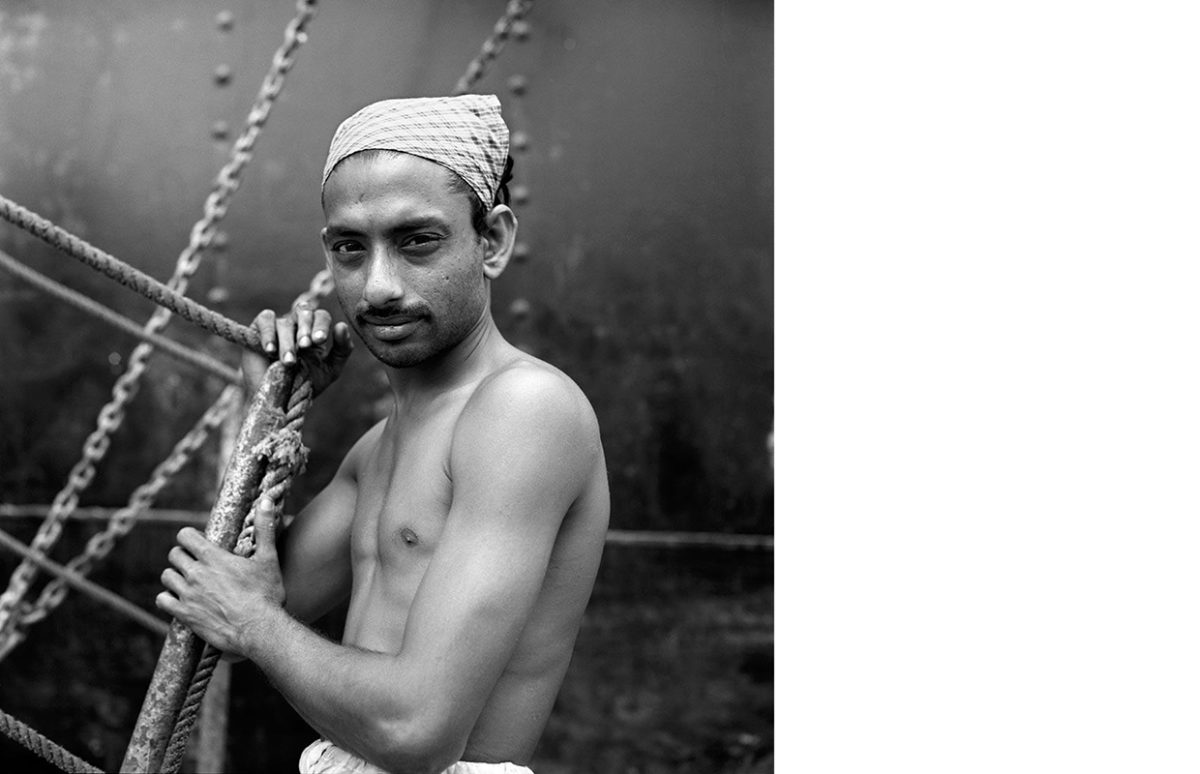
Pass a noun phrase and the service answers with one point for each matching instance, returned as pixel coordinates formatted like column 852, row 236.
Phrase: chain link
column 320, row 287
column 121, row 522
column 493, row 45
column 125, row 388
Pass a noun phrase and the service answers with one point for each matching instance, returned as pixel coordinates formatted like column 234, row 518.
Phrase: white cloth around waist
column 324, row 757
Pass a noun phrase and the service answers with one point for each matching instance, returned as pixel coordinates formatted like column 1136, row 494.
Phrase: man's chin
column 402, row 355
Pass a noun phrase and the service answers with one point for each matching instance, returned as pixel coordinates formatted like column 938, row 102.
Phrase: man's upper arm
column 315, row 557
column 521, row 453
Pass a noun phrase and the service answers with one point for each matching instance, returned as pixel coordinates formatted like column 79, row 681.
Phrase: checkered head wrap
column 464, row 134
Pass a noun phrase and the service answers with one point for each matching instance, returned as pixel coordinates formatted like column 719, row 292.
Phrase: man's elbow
column 417, row 747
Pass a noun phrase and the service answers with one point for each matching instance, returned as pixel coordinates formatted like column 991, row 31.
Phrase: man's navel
column 408, row 537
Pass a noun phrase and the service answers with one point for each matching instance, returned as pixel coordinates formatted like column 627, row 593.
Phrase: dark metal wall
column 648, row 220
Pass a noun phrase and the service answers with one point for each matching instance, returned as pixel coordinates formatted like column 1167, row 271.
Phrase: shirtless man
column 467, row 526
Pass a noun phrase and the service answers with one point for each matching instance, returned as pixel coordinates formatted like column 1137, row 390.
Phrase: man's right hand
column 304, row 335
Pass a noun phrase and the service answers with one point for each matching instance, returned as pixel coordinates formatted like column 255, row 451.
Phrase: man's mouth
column 389, row 327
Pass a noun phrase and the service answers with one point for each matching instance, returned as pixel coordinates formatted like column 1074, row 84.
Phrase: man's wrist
column 260, row 632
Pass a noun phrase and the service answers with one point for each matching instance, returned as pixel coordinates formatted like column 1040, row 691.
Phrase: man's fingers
column 168, row 603
column 285, row 331
column 320, row 326
column 305, row 331
column 304, row 325
column 181, row 560
column 173, row 582
column 343, row 344
column 331, row 341
column 264, row 323
column 194, row 541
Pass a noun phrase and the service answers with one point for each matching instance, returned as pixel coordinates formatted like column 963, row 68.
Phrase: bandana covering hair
column 464, row 134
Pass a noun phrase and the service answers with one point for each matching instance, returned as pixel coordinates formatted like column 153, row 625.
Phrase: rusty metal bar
column 207, row 751
column 80, row 583
column 724, row 540
column 181, row 652
column 161, row 516
column 616, row 537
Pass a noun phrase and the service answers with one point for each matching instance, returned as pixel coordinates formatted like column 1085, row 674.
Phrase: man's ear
column 500, row 234
column 325, row 250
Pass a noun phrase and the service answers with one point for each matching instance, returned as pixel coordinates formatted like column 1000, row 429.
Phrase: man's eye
column 423, row 242
column 346, row 246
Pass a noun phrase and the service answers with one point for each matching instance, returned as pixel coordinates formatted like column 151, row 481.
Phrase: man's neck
column 465, row 363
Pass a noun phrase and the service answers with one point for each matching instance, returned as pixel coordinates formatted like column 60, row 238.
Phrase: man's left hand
column 218, row 595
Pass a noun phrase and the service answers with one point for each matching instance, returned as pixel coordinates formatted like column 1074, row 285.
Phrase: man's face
column 407, row 264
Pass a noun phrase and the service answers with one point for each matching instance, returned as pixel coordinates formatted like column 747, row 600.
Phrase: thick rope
column 31, row 740
column 189, row 713
column 126, row 386
column 119, row 321
column 132, row 278
column 285, row 454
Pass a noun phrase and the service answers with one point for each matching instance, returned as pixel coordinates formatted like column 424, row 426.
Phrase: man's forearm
column 353, row 697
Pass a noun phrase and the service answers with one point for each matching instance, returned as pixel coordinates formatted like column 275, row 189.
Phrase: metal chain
column 67, row 499
column 126, row 386
column 229, row 178
column 123, row 520
column 320, row 287
column 120, row 523
column 102, row 543
column 493, row 45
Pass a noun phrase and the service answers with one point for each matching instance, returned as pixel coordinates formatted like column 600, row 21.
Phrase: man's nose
column 383, row 286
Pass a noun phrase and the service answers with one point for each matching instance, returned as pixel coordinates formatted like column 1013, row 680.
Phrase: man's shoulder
column 528, row 385
column 527, row 431
column 364, row 447
column 527, row 398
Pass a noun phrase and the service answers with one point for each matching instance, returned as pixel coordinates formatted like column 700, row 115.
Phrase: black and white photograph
column 390, row 386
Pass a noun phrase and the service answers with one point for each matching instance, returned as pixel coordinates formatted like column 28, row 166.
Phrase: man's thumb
column 264, row 531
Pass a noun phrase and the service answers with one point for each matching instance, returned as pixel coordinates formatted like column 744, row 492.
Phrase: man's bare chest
column 404, row 494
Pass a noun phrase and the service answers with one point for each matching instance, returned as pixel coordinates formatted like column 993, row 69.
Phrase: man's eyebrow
column 416, row 223
column 400, row 226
